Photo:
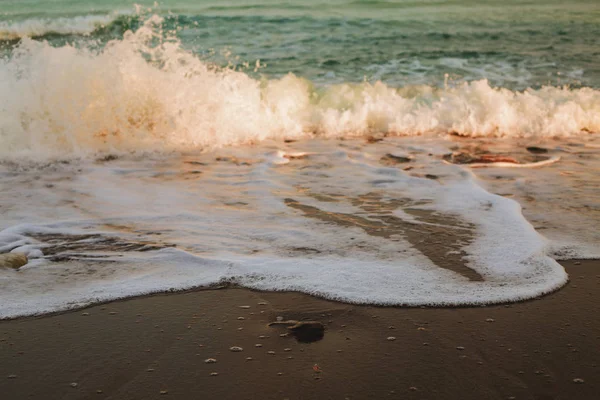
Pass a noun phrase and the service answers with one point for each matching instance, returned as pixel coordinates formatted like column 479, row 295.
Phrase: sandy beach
column 157, row 347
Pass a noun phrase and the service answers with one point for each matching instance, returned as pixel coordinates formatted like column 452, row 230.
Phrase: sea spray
column 145, row 92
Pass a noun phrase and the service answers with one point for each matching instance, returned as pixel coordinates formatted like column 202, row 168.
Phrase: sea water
column 296, row 146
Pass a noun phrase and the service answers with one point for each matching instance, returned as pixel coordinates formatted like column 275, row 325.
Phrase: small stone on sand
column 248, row 358
column 99, row 391
column 13, row 260
column 12, row 376
column 459, row 348
column 271, row 352
column 287, row 349
column 258, row 345
column 245, row 307
column 210, row 360
column 74, row 384
column 391, row 338
column 578, row 380
column 164, row 391
column 236, row 349
column 490, row 320
column 241, row 318
column 214, row 373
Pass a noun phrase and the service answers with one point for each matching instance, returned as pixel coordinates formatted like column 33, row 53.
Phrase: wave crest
column 145, row 92
column 40, row 27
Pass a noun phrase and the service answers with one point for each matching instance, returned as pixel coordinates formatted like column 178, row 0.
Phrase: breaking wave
column 144, row 92
column 41, row 27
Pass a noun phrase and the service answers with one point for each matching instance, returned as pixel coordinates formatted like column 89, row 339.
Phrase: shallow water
column 296, row 146
column 335, row 218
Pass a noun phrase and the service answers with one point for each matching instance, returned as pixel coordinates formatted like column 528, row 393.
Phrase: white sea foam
column 34, row 27
column 233, row 221
column 70, row 102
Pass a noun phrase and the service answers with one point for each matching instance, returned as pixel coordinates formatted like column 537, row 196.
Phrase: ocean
column 409, row 153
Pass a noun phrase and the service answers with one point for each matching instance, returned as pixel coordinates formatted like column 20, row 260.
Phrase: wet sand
column 156, row 347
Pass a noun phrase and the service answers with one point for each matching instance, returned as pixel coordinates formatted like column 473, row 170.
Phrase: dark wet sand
column 137, row 348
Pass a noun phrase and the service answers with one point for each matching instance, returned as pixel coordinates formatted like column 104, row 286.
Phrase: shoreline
column 233, row 286
column 155, row 346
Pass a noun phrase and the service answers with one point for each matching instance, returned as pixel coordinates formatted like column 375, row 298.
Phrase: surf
column 146, row 93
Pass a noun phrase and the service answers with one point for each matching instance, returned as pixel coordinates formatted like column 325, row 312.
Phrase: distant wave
column 39, row 27
column 146, row 93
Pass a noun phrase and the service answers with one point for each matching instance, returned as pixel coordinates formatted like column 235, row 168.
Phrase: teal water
column 514, row 44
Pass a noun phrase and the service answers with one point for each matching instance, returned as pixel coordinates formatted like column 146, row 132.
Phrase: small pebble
column 412, row 388
column 99, row 391
column 150, row 370
column 85, row 314
column 258, row 345
column 12, row 376
column 245, row 307
column 271, row 352
column 284, row 335
column 241, row 318
column 460, row 348
column 164, row 391
column 280, row 373
column 287, row 349
column 490, row 320
column 578, row 380
column 214, row 373
column 391, row 338
column 248, row 358
column 236, row 349
column 210, row 360
column 262, row 303
column 74, row 384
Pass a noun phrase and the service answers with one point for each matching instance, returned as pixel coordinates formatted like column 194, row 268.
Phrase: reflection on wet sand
column 440, row 237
